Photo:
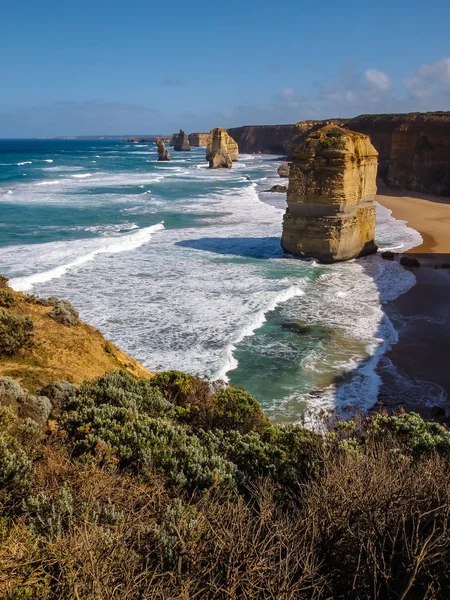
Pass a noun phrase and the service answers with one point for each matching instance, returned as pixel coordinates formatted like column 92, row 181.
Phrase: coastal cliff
column 265, row 139
column 414, row 148
column 199, row 139
column 221, row 150
column 332, row 183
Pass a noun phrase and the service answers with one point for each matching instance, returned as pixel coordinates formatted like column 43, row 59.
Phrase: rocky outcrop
column 181, row 143
column 199, row 139
column 221, row 150
column 277, row 188
column 332, row 184
column 283, row 170
column 163, row 153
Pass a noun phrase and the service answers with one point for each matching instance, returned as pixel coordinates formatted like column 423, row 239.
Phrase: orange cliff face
column 332, row 184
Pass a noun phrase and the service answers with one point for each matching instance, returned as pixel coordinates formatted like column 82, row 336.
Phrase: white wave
column 26, row 162
column 82, row 175
column 121, row 244
column 49, row 160
column 50, row 182
column 257, row 320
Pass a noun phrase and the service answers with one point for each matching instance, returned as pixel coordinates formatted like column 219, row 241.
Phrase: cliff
column 163, row 153
column 72, row 351
column 222, row 150
column 265, row 139
column 181, row 142
column 332, row 183
column 414, row 149
column 198, row 139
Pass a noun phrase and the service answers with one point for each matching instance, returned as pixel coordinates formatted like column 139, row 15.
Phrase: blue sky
column 116, row 67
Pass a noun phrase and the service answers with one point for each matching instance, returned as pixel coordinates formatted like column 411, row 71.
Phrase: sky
column 116, row 67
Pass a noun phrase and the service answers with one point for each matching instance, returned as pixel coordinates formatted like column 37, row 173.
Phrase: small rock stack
column 163, row 153
column 181, row 142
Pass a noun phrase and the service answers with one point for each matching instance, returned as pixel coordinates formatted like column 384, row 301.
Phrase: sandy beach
column 415, row 373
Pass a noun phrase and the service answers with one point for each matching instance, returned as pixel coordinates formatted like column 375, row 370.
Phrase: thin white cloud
column 378, row 79
column 429, row 80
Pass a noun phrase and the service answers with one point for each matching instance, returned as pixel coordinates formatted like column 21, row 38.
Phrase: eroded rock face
column 332, row 184
column 181, row 143
column 163, row 153
column 199, row 139
column 283, row 170
column 221, row 150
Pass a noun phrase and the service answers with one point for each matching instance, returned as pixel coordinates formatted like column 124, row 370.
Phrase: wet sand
column 416, row 372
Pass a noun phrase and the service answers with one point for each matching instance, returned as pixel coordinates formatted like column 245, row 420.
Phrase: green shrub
column 50, row 516
column 121, row 420
column 15, row 464
column 335, row 133
column 16, row 333
column 7, row 298
column 411, row 433
column 236, row 409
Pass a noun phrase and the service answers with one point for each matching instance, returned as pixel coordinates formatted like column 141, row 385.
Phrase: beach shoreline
column 414, row 372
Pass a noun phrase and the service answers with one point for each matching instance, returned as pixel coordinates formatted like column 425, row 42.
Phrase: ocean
column 181, row 267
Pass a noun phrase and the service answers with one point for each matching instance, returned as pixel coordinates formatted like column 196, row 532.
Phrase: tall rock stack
column 332, row 185
column 163, row 153
column 221, row 150
column 181, row 143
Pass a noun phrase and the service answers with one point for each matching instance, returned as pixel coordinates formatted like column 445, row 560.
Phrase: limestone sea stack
column 198, row 139
column 181, row 143
column 221, row 150
column 163, row 153
column 332, row 185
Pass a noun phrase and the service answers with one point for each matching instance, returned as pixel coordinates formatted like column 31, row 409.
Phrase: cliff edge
column 42, row 340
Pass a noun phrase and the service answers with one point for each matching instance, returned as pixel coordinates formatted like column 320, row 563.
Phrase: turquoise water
column 181, row 266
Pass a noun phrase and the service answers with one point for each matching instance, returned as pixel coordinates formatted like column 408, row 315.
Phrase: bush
column 7, row 298
column 63, row 312
column 15, row 465
column 121, row 420
column 16, row 333
column 411, row 433
column 236, row 409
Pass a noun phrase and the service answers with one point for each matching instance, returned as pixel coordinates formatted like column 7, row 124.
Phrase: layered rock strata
column 163, row 153
column 221, row 150
column 199, row 139
column 332, row 184
column 181, row 143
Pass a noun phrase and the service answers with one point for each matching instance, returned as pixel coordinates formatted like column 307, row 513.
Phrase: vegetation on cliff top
column 173, row 487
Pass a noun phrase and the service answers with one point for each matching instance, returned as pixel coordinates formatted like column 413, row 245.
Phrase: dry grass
column 70, row 353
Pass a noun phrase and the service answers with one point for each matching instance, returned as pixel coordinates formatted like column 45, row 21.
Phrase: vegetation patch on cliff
column 173, row 487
